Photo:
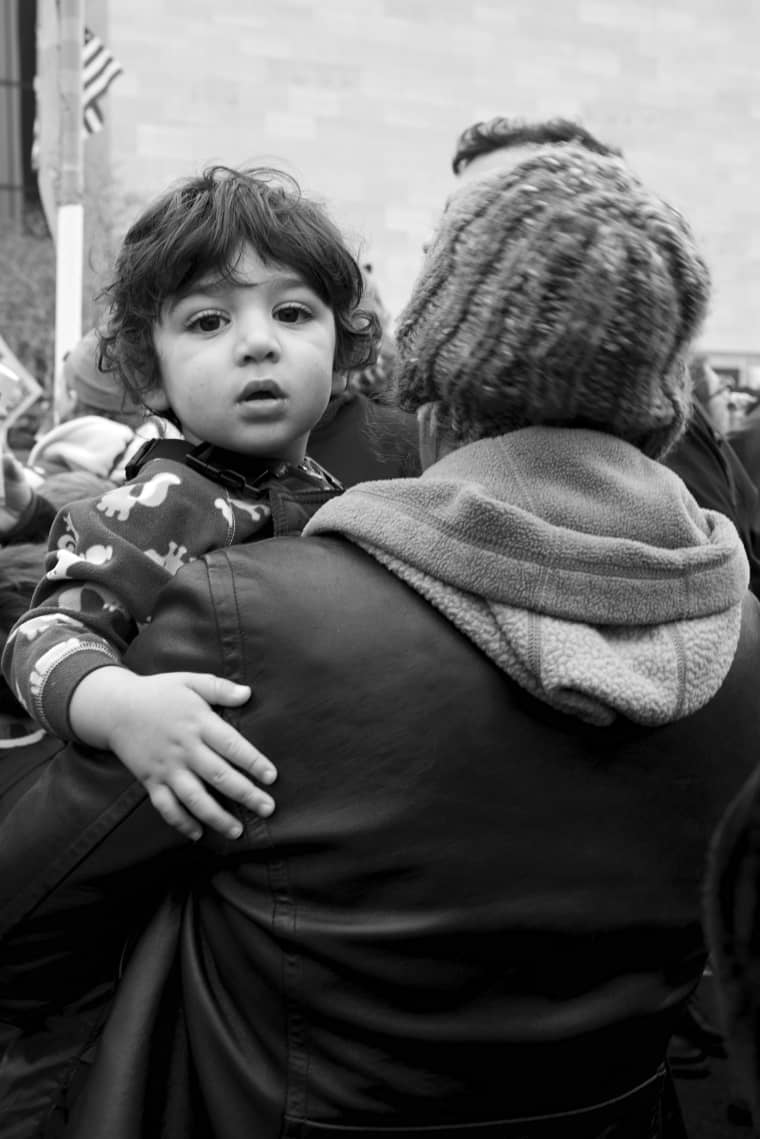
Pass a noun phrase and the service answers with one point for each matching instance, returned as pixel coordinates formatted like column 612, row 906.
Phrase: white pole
column 68, row 294
column 70, row 213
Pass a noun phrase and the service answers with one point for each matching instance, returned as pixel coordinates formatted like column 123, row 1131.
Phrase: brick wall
column 363, row 99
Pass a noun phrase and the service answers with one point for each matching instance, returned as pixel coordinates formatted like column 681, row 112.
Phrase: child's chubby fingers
column 214, row 772
column 228, row 743
column 165, row 802
column 220, row 735
column 216, row 689
column 190, row 788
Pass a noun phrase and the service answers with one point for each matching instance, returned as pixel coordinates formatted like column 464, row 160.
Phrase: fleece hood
column 583, row 569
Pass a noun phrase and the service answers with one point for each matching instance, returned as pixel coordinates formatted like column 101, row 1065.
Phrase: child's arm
column 109, row 559
column 163, row 728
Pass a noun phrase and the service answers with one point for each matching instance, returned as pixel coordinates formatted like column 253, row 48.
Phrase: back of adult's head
column 501, row 133
column 561, row 292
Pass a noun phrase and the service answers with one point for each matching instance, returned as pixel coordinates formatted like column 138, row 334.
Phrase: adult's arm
column 83, row 854
column 83, row 857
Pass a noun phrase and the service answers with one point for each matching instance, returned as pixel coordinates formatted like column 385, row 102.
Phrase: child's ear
column 155, row 399
column 339, row 384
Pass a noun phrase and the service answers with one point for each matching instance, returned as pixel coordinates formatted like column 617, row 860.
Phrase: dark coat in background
column 732, row 920
column 359, row 439
column 714, row 473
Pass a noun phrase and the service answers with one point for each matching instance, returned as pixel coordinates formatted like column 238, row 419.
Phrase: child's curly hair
column 200, row 225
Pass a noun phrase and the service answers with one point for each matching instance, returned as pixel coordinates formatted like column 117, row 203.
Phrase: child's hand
column 18, row 493
column 163, row 729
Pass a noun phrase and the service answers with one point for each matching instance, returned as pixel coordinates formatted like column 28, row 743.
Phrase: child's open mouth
column 260, row 391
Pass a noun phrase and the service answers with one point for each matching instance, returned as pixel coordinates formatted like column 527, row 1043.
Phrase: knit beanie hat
column 561, row 292
column 96, row 391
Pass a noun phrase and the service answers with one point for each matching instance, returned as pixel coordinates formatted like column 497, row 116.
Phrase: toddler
column 233, row 314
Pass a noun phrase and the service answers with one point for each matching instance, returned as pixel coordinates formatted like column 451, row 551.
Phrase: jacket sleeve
column 108, row 559
column 96, row 855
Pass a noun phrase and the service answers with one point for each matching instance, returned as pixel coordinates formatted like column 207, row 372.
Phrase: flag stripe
column 99, row 69
column 91, row 67
column 93, row 119
column 98, row 86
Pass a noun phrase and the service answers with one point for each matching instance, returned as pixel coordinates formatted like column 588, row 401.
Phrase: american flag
column 99, row 69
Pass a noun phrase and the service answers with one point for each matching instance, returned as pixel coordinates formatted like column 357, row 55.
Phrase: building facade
column 363, row 99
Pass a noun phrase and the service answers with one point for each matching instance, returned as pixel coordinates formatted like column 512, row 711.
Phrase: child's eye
column 207, row 322
column 292, row 313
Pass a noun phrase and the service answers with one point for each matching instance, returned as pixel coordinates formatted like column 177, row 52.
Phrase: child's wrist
column 94, row 705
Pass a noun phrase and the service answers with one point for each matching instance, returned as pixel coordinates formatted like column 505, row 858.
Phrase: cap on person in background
column 96, row 392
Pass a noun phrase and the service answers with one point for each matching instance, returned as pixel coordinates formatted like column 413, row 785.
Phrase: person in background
column 234, row 314
column 362, row 436
column 497, row 697
column 712, row 393
column 708, row 462
column 102, row 427
column 376, row 380
column 745, row 442
column 86, row 453
column 93, row 391
column 732, row 921
column 20, row 568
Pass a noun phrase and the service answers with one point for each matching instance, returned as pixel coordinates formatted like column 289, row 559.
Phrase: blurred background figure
column 95, row 392
column 376, row 380
column 745, row 441
column 101, row 428
column 708, row 462
column 362, row 435
column 84, row 455
column 732, row 915
column 712, row 392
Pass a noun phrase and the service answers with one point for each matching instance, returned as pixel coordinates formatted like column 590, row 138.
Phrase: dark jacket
column 359, row 439
column 466, row 907
column 715, row 471
column 732, row 920
column 745, row 443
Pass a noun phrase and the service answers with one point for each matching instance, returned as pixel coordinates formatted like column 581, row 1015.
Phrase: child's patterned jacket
column 109, row 556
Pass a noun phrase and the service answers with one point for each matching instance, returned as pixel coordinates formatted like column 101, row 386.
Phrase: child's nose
column 257, row 340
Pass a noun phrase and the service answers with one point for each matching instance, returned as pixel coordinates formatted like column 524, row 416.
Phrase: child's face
column 249, row 366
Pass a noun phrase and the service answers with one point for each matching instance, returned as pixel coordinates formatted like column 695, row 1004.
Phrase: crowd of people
column 383, row 728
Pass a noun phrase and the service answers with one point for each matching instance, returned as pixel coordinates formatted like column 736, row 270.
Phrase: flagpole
column 70, row 208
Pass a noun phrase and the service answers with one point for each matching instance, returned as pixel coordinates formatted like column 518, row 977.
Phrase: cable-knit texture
column 562, row 292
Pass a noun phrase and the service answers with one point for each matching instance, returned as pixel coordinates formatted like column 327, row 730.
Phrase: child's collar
column 239, row 473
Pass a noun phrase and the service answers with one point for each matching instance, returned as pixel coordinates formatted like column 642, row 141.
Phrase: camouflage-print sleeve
column 108, row 559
